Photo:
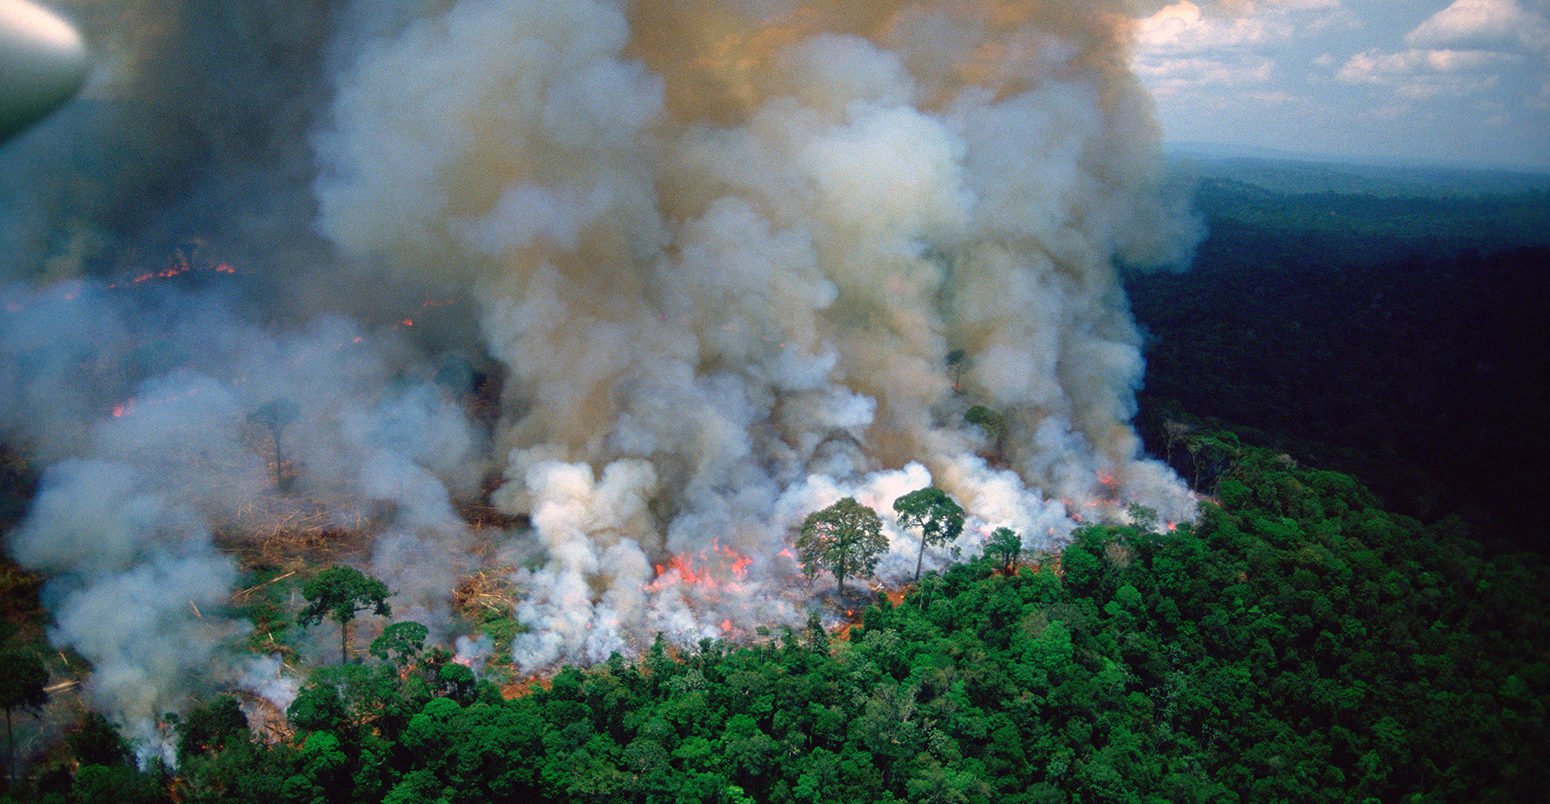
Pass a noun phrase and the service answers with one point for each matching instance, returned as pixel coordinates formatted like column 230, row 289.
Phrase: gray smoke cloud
column 731, row 260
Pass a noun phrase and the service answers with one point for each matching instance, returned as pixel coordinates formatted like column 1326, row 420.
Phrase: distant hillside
column 1289, row 173
column 1397, row 337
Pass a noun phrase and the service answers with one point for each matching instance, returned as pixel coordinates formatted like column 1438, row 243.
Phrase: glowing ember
column 179, row 267
column 709, row 570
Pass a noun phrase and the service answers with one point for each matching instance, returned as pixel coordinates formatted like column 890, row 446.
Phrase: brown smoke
column 735, row 259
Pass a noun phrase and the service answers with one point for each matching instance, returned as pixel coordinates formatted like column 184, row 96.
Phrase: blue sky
column 1433, row 81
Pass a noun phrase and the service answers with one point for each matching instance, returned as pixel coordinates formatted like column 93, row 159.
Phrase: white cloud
column 1375, row 66
column 1419, row 74
column 1169, row 76
column 1459, row 51
column 1183, row 26
column 1184, row 46
column 1203, row 44
column 1390, row 71
column 1473, row 35
column 1484, row 23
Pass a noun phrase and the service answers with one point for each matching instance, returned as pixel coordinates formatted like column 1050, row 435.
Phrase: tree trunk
column 344, row 640
column 840, row 583
column 279, row 461
column 921, row 557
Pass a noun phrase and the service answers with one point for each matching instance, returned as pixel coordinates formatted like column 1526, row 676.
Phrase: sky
column 1454, row 82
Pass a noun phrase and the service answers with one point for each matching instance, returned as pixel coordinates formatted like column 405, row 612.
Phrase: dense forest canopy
column 1400, row 339
column 1298, row 643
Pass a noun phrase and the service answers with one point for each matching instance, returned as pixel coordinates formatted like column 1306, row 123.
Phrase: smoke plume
column 656, row 280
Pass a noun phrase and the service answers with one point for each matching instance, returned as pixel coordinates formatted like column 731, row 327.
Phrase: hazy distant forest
column 1394, row 329
column 1351, row 371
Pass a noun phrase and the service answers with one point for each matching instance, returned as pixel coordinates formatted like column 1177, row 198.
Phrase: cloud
column 1188, row 45
column 1184, row 27
column 1419, row 74
column 1170, row 76
column 1460, row 51
column 1488, row 24
column 1183, row 47
column 1375, row 66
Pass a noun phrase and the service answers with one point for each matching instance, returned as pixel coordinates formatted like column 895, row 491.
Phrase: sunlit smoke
column 725, row 250
column 654, row 280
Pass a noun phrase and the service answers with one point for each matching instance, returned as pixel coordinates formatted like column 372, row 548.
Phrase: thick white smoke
column 724, row 251
column 734, row 260
column 136, row 524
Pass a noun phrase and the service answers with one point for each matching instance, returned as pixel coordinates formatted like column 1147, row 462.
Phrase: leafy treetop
column 337, row 593
column 1005, row 545
column 846, row 538
column 939, row 518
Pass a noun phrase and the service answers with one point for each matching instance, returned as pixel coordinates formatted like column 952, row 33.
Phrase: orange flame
column 708, row 570
column 179, row 267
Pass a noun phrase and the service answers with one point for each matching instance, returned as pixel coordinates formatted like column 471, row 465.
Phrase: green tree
column 211, row 728
column 400, row 643
column 318, row 707
column 939, row 518
column 457, row 682
column 96, row 742
column 1005, row 545
column 114, row 784
column 846, row 538
column 22, row 681
column 337, row 593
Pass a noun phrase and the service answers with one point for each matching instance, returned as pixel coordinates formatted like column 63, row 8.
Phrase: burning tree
column 846, row 539
column 939, row 518
column 337, row 593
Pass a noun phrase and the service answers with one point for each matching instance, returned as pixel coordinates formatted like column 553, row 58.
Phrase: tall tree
column 337, row 593
column 1006, row 545
column 22, row 681
column 846, row 538
column 275, row 415
column 939, row 518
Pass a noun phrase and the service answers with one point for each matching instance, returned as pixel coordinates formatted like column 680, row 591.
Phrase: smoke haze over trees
column 561, row 318
column 641, row 284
